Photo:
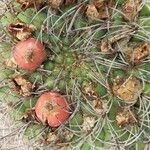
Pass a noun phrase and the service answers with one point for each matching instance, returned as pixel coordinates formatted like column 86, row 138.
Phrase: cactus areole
column 29, row 54
column 52, row 108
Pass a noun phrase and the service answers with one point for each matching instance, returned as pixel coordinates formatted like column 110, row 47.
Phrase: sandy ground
column 10, row 138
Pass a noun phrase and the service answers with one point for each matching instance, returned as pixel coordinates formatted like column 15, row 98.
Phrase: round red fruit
column 52, row 108
column 29, row 54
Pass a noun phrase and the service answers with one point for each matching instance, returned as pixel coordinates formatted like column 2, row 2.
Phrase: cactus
column 96, row 64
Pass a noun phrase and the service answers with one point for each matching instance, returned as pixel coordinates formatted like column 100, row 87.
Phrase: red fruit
column 52, row 107
column 29, row 54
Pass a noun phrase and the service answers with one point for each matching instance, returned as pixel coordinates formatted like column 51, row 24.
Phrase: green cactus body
column 89, row 62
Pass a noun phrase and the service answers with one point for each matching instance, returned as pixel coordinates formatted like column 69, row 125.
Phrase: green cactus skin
column 73, row 65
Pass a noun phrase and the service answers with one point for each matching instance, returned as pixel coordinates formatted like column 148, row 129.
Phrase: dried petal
column 99, row 9
column 127, row 89
column 67, row 135
column 89, row 90
column 140, row 52
column 10, row 63
column 29, row 116
column 131, row 9
column 106, row 46
column 22, row 86
column 92, row 11
column 99, row 3
column 52, row 137
column 28, row 3
column 103, row 8
column 55, row 3
column 65, row 148
column 88, row 123
column 68, row 2
column 99, row 105
column 20, row 30
column 125, row 117
column 110, row 44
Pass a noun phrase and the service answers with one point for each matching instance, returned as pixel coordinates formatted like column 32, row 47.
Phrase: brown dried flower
column 99, row 9
column 20, row 30
column 22, row 86
column 125, row 117
column 131, row 9
column 127, row 89
column 110, row 43
column 55, row 3
column 28, row 3
column 140, row 52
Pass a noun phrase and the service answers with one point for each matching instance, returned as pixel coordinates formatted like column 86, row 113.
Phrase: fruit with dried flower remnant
column 52, row 107
column 29, row 54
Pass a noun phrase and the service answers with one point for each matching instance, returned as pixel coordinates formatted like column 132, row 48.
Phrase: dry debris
column 89, row 90
column 66, row 134
column 140, row 52
column 100, row 106
column 88, row 123
column 52, row 137
column 125, row 117
column 68, row 2
column 20, row 30
column 22, row 86
column 30, row 3
column 110, row 44
column 55, row 3
column 65, row 148
column 92, row 11
column 127, row 89
column 99, row 9
column 10, row 63
column 106, row 46
column 131, row 9
column 29, row 116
